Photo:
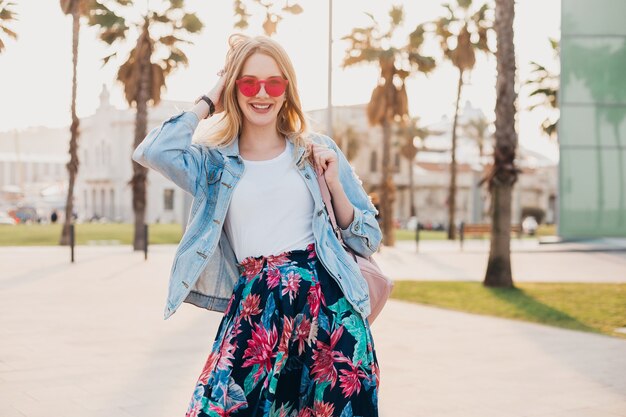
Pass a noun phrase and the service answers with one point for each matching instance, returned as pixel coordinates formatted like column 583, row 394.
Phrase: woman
column 294, row 339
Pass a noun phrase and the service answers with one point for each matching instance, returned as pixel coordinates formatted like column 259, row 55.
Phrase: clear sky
column 35, row 81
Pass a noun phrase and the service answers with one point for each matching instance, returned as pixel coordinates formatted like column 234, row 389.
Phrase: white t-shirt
column 271, row 210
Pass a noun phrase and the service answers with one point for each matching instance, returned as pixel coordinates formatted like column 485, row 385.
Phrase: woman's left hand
column 326, row 162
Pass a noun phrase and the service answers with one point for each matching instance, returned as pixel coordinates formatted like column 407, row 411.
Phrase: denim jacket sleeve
column 363, row 234
column 168, row 150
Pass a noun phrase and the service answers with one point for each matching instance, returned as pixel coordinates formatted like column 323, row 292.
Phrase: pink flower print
column 291, row 283
column 351, row 379
column 208, row 367
column 273, row 278
column 305, row 412
column 283, row 346
column 324, row 358
column 314, row 297
column 250, row 307
column 260, row 349
column 252, row 267
column 230, row 304
column 227, row 351
column 282, row 411
column 311, row 249
column 323, row 409
column 302, row 334
column 274, row 261
column 225, row 412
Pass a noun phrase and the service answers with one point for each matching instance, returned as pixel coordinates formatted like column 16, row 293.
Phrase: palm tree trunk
column 452, row 190
column 72, row 165
column 138, row 181
column 387, row 187
column 504, row 173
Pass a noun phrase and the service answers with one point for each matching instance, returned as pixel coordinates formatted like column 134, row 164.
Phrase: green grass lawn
column 48, row 234
column 598, row 308
column 403, row 234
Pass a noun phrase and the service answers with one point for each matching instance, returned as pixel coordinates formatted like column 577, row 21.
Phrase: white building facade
column 106, row 144
column 535, row 189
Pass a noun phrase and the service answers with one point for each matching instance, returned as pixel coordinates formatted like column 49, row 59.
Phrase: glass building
column 592, row 127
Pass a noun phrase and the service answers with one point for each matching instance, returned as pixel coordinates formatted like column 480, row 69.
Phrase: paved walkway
column 603, row 260
column 89, row 340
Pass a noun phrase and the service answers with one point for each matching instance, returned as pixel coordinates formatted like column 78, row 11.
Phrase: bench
column 480, row 229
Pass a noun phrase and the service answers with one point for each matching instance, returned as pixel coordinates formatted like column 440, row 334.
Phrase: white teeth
column 261, row 106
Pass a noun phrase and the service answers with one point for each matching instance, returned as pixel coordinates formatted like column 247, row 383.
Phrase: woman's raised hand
column 216, row 92
column 201, row 109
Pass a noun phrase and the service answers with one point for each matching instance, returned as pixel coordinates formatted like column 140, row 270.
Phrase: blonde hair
column 291, row 121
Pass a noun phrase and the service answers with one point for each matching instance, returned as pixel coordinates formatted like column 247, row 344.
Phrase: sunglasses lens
column 249, row 86
column 275, row 86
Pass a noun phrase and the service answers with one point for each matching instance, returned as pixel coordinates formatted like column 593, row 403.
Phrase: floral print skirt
column 289, row 345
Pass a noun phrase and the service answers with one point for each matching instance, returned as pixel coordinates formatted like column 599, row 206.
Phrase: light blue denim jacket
column 205, row 270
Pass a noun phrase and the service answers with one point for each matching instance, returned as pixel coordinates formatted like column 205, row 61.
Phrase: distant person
column 294, row 338
column 54, row 216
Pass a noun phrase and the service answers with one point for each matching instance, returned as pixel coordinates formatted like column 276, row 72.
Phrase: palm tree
column 409, row 130
column 504, row 173
column 348, row 140
column 272, row 16
column 545, row 84
column 7, row 17
column 461, row 34
column 77, row 9
column 478, row 130
column 389, row 101
column 155, row 54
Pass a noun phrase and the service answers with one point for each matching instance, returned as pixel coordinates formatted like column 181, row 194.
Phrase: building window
column 168, row 199
column 373, row 161
column 397, row 162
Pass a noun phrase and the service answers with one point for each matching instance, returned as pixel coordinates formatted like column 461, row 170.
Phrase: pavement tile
column 65, row 354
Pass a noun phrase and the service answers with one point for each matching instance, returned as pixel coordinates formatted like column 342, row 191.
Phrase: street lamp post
column 329, row 109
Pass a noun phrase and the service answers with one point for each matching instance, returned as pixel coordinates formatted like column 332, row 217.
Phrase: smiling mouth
column 261, row 106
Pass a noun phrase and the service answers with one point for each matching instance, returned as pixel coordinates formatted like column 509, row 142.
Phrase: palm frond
column 176, row 4
column 9, row 32
column 424, row 64
column 191, row 23
column 397, row 15
column 293, row 9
